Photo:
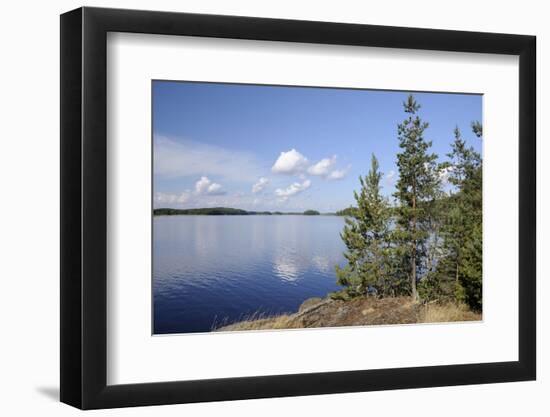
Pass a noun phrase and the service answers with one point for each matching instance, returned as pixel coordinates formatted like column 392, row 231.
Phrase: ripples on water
column 211, row 269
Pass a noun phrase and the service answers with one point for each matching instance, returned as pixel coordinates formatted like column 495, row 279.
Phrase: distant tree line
column 224, row 211
column 428, row 243
column 214, row 211
column 349, row 211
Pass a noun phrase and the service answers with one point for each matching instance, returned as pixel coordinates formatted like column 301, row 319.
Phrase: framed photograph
column 257, row 208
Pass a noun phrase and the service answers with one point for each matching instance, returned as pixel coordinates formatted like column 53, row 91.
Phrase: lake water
column 211, row 269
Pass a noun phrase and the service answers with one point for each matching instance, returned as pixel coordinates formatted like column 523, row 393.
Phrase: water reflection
column 322, row 263
column 231, row 266
column 286, row 269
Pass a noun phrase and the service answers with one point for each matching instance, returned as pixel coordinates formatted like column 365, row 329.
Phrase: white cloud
column 338, row 174
column 260, row 185
column 390, row 177
column 292, row 189
column 294, row 163
column 183, row 198
column 192, row 199
column 322, row 168
column 183, row 158
column 168, row 198
column 215, row 189
column 202, row 185
column 291, row 162
column 205, row 186
column 444, row 174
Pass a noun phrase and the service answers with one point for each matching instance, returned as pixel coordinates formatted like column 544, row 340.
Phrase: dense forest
column 427, row 242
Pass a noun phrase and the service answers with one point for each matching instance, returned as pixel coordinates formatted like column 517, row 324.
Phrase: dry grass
column 443, row 313
column 269, row 323
column 363, row 311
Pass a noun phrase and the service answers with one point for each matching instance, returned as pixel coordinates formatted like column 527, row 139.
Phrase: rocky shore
column 361, row 311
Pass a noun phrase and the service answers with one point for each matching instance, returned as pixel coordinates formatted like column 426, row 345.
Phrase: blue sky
column 285, row 148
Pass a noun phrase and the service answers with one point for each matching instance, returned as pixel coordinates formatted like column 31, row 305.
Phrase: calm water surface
column 209, row 270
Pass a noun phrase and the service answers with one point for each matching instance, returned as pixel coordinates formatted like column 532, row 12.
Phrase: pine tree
column 417, row 189
column 472, row 268
column 428, row 239
column 477, row 128
column 436, row 284
column 365, row 235
column 462, row 226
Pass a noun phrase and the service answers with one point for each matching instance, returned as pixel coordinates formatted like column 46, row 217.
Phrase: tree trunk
column 413, row 256
column 456, row 282
column 413, row 274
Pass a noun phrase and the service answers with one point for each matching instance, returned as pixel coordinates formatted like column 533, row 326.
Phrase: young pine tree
column 436, row 283
column 460, row 216
column 461, row 227
column 366, row 238
column 417, row 189
column 472, row 254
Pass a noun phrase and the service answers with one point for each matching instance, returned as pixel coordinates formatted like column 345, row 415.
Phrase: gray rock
column 310, row 302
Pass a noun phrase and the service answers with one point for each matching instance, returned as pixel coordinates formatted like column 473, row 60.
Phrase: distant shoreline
column 228, row 211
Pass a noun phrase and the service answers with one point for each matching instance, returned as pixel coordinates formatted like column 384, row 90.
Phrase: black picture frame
column 84, row 207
